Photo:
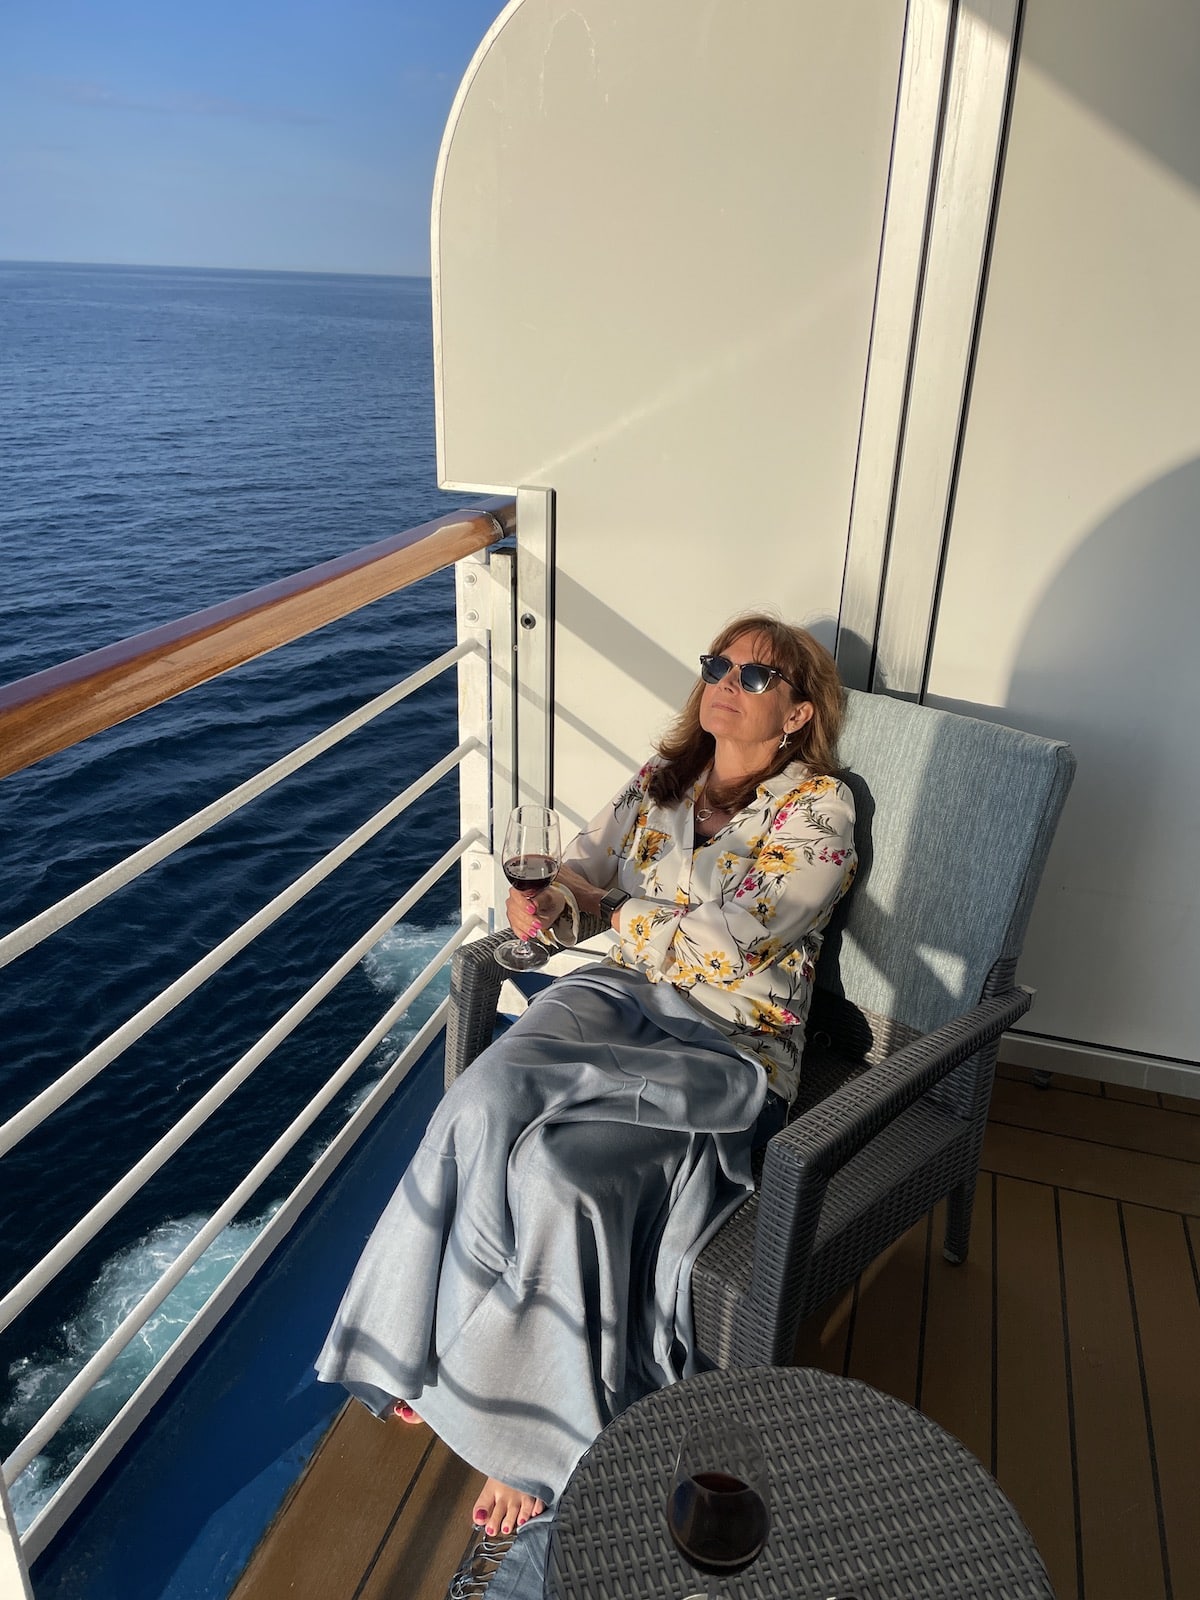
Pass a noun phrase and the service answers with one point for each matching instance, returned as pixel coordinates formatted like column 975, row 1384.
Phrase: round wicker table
column 869, row 1499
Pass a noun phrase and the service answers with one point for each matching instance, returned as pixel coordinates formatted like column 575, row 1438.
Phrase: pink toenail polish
column 521, row 1521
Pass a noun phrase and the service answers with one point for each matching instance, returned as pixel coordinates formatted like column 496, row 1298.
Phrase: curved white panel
column 656, row 240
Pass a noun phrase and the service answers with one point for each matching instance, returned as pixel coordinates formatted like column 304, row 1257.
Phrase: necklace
column 702, row 815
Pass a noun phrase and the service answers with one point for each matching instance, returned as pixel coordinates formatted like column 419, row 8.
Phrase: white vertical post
column 503, row 683
column 981, row 67
column 927, row 37
column 535, row 645
column 473, row 597
column 14, row 1574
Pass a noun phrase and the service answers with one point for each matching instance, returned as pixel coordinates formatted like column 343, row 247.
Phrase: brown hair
column 686, row 749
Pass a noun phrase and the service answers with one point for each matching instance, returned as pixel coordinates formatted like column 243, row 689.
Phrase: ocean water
column 169, row 439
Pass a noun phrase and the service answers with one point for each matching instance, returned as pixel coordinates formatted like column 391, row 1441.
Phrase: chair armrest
column 476, row 978
column 803, row 1157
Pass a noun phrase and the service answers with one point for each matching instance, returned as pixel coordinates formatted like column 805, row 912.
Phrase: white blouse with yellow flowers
column 735, row 924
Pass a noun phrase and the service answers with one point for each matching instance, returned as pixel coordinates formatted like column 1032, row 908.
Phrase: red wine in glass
column 719, row 1506
column 530, row 856
column 718, row 1522
column 530, row 874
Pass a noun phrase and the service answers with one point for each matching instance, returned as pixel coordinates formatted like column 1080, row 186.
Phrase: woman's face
column 755, row 722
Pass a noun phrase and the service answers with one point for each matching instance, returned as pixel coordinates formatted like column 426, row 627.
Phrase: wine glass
column 719, row 1508
column 530, row 858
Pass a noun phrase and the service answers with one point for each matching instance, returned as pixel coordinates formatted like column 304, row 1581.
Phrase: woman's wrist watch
column 612, row 900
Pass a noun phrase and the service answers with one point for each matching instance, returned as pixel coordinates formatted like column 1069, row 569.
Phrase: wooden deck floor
column 1065, row 1354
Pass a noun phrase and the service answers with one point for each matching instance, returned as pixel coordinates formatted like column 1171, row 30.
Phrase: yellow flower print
column 776, row 858
column 686, row 973
column 726, row 861
column 771, row 1017
column 639, row 930
column 815, row 787
column 650, row 847
column 716, row 966
column 763, row 954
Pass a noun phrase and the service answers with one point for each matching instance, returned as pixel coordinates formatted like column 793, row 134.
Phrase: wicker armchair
column 914, row 988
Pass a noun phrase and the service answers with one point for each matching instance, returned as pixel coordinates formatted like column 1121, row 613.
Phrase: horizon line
column 161, row 266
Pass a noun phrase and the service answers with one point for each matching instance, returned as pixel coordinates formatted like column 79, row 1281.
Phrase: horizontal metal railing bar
column 30, row 934
column 54, row 1417
column 86, row 1229
column 53, row 710
column 23, row 1122
column 52, row 1516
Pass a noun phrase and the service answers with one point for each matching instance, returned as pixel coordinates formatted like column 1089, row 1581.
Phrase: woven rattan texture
column 869, row 1499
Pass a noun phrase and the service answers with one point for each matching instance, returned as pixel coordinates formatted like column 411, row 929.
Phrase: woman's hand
column 530, row 914
column 587, row 896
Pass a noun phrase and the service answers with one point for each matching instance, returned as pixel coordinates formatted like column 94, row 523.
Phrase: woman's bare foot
column 500, row 1509
column 405, row 1412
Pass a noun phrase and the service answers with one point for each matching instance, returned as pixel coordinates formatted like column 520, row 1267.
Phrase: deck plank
column 1189, row 1106
column 821, row 1339
column 1168, row 1319
column 885, row 1340
column 956, row 1365
column 1034, row 1461
column 338, row 1517
column 427, row 1539
column 1060, row 1081
column 1131, row 1095
column 1161, row 1181
column 1120, row 1124
column 1118, row 1519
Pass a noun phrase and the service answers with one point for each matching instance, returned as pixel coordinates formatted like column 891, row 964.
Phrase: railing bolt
column 470, row 577
column 472, row 617
column 474, row 897
column 528, row 620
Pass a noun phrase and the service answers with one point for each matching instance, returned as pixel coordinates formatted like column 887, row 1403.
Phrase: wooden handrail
column 52, row 710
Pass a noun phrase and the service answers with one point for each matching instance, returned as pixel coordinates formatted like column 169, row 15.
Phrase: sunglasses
column 753, row 676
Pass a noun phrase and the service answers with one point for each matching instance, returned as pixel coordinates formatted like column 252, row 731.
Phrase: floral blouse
column 736, row 925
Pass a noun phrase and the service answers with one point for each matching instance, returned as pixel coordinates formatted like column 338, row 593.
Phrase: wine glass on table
column 530, row 858
column 719, row 1507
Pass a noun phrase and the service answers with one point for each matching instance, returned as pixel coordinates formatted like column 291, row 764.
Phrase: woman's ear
column 798, row 716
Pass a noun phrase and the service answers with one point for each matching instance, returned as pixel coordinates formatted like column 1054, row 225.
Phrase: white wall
column 1073, row 572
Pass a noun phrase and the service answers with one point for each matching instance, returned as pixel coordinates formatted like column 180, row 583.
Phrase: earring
column 783, row 742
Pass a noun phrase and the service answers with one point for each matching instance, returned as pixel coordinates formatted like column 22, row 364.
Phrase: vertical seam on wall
column 977, row 324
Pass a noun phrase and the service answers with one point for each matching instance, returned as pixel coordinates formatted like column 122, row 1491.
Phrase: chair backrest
column 955, row 819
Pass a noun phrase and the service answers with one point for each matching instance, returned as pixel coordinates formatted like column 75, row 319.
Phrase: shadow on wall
column 1110, row 661
column 1133, row 67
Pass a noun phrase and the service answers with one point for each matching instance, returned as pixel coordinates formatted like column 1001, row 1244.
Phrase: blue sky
column 282, row 134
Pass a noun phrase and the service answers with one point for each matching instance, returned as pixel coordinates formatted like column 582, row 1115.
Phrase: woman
column 529, row 1278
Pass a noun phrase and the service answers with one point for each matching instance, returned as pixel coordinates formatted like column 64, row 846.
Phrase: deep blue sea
column 170, row 439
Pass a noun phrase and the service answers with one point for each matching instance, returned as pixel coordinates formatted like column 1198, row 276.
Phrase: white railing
column 471, row 758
